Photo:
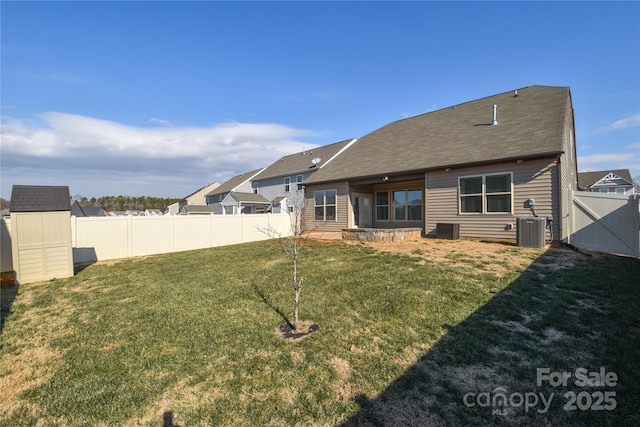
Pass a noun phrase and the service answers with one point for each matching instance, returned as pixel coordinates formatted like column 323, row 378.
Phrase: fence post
column 74, row 236
column 173, row 233
column 129, row 236
column 242, row 225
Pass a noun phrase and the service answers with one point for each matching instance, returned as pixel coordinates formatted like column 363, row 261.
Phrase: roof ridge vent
column 494, row 122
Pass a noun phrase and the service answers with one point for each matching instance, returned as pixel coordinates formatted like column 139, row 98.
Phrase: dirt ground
column 496, row 257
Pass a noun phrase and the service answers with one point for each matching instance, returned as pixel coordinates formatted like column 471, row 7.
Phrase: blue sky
column 162, row 98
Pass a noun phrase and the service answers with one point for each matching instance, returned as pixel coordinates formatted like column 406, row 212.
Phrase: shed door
column 42, row 246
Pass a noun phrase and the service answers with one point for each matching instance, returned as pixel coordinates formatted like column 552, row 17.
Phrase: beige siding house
column 199, row 197
column 481, row 165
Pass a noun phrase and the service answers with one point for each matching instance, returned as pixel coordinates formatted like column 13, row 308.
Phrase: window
column 382, row 206
column 299, row 182
column 620, row 190
column 407, row 205
column 498, row 193
column 254, row 186
column 485, row 194
column 287, row 184
column 325, row 205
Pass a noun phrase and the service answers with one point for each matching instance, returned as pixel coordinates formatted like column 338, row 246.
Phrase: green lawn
column 190, row 339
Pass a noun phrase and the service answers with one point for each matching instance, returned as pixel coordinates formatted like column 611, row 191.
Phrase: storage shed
column 41, row 233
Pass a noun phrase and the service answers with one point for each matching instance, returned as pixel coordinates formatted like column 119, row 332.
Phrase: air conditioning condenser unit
column 530, row 232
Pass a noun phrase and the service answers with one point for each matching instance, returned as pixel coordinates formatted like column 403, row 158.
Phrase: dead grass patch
column 465, row 254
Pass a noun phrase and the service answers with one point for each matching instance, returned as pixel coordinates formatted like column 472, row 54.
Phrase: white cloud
column 627, row 160
column 161, row 122
column 627, row 122
column 71, row 136
column 61, row 144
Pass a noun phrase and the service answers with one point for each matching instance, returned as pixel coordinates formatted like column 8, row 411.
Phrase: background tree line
column 121, row 203
column 117, row 203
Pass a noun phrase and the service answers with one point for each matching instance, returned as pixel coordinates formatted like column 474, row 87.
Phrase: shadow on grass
column 269, row 304
column 77, row 268
column 563, row 313
column 8, row 294
column 167, row 419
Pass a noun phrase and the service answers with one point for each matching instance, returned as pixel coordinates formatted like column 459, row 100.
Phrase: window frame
column 484, row 194
column 388, row 218
column 407, row 205
column 325, row 205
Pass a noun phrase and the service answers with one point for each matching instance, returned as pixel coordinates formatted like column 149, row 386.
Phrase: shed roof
column 40, row 198
column 530, row 124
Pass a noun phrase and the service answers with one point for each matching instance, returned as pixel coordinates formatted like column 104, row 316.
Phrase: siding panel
column 344, row 210
column 536, row 179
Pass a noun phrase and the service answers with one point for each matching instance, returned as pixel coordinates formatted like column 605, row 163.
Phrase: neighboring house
column 238, row 184
column 82, row 211
column 480, row 164
column 235, row 203
column 196, row 210
column 93, row 211
column 152, row 212
column 617, row 181
column 279, row 205
column 282, row 183
column 76, row 209
column 173, row 209
column 199, row 197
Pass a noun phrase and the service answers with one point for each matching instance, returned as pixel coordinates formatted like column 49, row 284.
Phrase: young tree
column 291, row 246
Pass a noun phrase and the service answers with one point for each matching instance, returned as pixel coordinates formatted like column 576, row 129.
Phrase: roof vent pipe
column 494, row 122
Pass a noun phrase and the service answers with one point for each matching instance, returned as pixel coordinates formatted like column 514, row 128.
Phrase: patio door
column 362, row 210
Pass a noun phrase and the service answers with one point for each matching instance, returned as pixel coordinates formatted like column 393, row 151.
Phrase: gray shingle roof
column 40, row 198
column 232, row 183
column 530, row 124
column 301, row 162
column 198, row 209
column 587, row 179
column 249, row 197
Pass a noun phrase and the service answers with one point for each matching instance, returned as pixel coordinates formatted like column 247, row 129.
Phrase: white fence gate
column 603, row 222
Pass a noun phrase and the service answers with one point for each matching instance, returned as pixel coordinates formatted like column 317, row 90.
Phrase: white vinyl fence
column 6, row 258
column 602, row 222
column 103, row 238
